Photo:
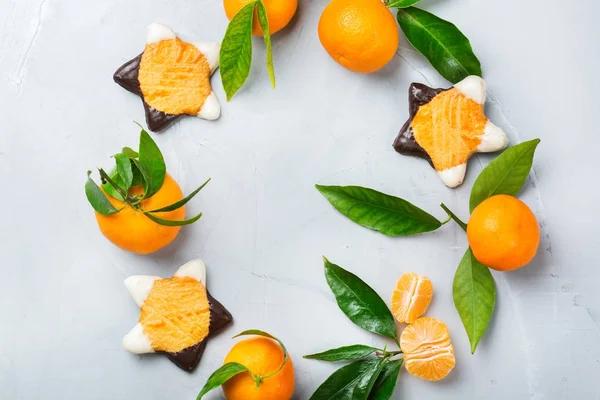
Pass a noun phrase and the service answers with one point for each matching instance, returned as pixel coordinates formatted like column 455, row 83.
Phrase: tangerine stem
column 454, row 217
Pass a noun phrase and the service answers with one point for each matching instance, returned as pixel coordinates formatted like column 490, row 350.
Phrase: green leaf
column 344, row 353
column 236, row 50
column 352, row 382
column 256, row 332
column 129, row 152
column 441, row 42
column 124, row 170
column 401, row 3
column 220, row 376
column 122, row 192
column 181, row 202
column 170, row 222
column 264, row 24
column 474, row 293
column 151, row 164
column 360, row 302
column 97, row 198
column 110, row 189
column 506, row 174
column 386, row 381
column 387, row 214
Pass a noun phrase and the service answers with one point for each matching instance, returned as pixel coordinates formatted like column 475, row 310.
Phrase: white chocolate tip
column 159, row 32
column 211, row 109
column 453, row 177
column 139, row 287
column 493, row 139
column 473, row 87
column 193, row 269
column 136, row 342
column 211, row 51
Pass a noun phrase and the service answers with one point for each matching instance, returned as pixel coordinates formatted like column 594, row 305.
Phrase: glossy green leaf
column 129, row 152
column 345, row 353
column 256, row 332
column 181, row 202
column 352, row 382
column 151, row 164
column 105, row 177
column 474, row 293
column 359, row 301
column 386, row 381
column 220, row 376
column 264, row 24
column 236, row 50
column 110, row 189
column 170, row 222
column 441, row 42
column 401, row 3
column 506, row 174
column 124, row 170
column 381, row 212
column 97, row 198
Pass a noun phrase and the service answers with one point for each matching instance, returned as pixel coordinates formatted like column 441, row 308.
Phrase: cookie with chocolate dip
column 447, row 126
column 177, row 315
column 172, row 77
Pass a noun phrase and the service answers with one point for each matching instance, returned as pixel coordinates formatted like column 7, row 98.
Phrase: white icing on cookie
column 211, row 109
column 473, row 87
column 139, row 287
column 136, row 342
column 193, row 269
column 493, row 139
column 159, row 32
column 453, row 177
column 211, row 51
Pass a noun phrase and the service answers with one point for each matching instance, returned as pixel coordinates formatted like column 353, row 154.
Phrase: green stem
column 454, row 217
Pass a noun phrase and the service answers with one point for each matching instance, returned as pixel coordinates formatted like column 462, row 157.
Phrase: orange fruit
column 428, row 352
column 262, row 356
column 131, row 230
column 279, row 13
column 503, row 233
column 411, row 297
column 361, row 35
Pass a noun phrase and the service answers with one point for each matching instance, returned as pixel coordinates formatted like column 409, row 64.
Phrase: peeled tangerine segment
column 428, row 351
column 411, row 297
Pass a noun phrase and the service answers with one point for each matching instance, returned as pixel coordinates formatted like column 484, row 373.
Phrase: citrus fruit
column 503, row 233
column 131, row 230
column 361, row 35
column 279, row 13
column 411, row 297
column 428, row 352
column 262, row 356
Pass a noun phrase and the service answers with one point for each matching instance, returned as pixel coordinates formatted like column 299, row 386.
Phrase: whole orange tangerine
column 262, row 356
column 279, row 13
column 131, row 230
column 503, row 233
column 361, row 35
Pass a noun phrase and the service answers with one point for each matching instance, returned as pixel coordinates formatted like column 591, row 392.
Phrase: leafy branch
column 146, row 168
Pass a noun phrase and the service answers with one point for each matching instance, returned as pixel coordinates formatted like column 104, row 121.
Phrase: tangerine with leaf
column 139, row 207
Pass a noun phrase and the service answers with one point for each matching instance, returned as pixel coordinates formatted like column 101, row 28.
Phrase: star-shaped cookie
column 177, row 315
column 172, row 77
column 446, row 126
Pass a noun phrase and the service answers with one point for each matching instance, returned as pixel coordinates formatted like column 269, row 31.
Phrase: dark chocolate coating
column 405, row 143
column 127, row 77
column 188, row 358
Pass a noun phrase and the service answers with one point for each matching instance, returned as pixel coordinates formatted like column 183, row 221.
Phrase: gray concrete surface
column 63, row 306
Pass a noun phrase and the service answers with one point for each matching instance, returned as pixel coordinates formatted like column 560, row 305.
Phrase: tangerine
column 279, row 13
column 262, row 356
column 361, row 35
column 411, row 297
column 428, row 351
column 131, row 230
column 503, row 233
